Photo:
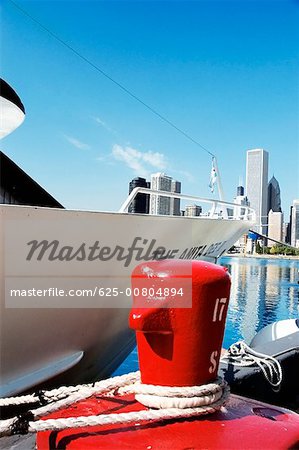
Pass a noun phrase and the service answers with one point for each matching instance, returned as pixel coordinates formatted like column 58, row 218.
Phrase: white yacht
column 65, row 279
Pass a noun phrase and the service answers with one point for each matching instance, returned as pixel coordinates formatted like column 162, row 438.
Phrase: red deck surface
column 242, row 424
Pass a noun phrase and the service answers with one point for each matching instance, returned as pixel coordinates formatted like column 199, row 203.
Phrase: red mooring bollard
column 179, row 346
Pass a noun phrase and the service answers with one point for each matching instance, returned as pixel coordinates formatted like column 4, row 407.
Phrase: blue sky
column 225, row 72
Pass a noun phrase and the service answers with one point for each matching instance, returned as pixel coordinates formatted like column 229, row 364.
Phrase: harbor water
column 263, row 291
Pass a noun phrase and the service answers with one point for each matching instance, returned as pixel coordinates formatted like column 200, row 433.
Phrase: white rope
column 155, row 401
column 110, row 419
column 101, row 387
column 6, row 426
column 240, row 354
column 33, row 398
column 64, row 391
column 176, row 397
column 174, row 391
column 175, row 401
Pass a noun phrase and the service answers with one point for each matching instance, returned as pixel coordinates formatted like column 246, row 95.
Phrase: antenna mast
column 219, row 183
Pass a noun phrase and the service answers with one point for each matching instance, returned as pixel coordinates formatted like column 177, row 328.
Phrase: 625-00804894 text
column 148, row 292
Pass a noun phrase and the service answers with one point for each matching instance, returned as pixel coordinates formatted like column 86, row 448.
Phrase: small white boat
column 267, row 369
column 65, row 282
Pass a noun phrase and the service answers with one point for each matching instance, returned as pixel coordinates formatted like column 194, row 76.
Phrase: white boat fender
column 288, row 328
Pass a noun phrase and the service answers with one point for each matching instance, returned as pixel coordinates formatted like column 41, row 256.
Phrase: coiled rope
column 240, row 354
column 172, row 402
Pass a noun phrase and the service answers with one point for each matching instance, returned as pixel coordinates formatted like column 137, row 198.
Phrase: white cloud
column 103, row 124
column 155, row 159
column 185, row 174
column 107, row 159
column 140, row 162
column 76, row 143
column 101, row 158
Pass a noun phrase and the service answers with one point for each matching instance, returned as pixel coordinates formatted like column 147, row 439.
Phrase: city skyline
column 264, row 194
column 229, row 89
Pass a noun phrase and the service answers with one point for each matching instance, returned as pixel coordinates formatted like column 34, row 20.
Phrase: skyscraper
column 140, row 204
column 274, row 201
column 240, row 199
column 275, row 222
column 164, row 205
column 295, row 224
column 175, row 203
column 289, row 228
column 256, row 185
column 240, row 191
column 193, row 210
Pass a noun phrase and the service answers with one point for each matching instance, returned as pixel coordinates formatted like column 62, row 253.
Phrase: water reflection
column 263, row 291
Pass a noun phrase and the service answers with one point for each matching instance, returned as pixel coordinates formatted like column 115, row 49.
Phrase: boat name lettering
column 202, row 250
column 193, row 252
column 215, row 248
column 140, row 250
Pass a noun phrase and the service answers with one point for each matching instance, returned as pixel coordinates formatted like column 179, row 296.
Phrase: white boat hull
column 50, row 250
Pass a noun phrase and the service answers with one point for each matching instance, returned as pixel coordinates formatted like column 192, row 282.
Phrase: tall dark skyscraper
column 289, row 227
column 175, row 202
column 274, row 201
column 295, row 224
column 141, row 202
column 240, row 191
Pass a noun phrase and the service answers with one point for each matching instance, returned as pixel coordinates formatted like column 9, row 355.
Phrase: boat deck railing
column 218, row 209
